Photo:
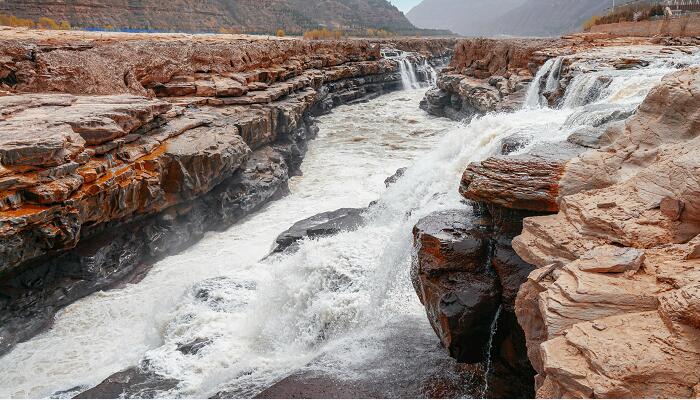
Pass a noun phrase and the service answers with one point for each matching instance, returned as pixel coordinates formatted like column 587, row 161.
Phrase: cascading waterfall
column 532, row 99
column 430, row 72
column 489, row 347
column 408, row 74
column 342, row 305
column 554, row 75
column 406, row 78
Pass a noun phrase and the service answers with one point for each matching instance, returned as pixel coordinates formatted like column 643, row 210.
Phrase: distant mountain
column 255, row 16
column 548, row 17
column 466, row 17
column 507, row 17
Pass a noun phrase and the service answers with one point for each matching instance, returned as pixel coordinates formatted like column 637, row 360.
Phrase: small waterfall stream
column 489, row 347
column 341, row 305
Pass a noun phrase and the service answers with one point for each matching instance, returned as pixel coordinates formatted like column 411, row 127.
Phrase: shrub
column 46, row 23
column 627, row 13
column 280, row 33
column 323, row 34
column 11, row 20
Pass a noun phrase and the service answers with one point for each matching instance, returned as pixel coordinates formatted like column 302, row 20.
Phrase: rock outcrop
column 611, row 310
column 492, row 75
column 116, row 150
column 467, row 275
column 594, row 240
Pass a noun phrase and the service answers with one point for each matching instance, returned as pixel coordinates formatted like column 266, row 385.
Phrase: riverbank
column 134, row 146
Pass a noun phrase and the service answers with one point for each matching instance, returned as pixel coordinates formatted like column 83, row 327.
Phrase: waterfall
column 406, row 79
column 341, row 304
column 408, row 74
column 532, row 100
column 407, row 69
column 492, row 334
column 430, row 72
column 554, row 75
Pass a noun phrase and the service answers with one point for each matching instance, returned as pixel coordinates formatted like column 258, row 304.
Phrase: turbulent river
column 340, row 306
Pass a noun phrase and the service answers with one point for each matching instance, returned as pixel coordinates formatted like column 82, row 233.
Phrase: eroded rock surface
column 118, row 149
column 611, row 310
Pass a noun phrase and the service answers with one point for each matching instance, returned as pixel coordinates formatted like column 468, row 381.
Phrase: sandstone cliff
column 119, row 149
column 612, row 310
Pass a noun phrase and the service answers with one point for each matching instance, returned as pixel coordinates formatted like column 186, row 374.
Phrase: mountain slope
column 211, row 15
column 507, row 17
column 548, row 17
column 466, row 17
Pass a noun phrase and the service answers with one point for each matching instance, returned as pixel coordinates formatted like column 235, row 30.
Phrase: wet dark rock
column 136, row 382
column 435, row 102
column 323, row 224
column 411, row 365
column 454, row 280
column 513, row 143
column 464, row 270
column 193, row 347
column 397, row 175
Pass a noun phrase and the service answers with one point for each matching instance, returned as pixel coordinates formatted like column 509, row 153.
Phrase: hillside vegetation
column 227, row 16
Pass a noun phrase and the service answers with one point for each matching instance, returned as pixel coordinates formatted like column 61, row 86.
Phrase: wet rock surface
column 136, row 382
column 124, row 159
column 323, row 224
column 466, row 275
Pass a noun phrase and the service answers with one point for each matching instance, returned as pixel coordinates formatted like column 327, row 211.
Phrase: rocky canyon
column 230, row 216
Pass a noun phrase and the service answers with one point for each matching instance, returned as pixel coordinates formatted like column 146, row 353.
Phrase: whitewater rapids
column 342, row 304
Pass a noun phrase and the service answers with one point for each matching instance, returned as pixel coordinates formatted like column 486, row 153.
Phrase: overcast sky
column 405, row 5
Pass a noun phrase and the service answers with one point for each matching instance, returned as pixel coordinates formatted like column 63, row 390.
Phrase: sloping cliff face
column 612, row 310
column 197, row 16
column 525, row 18
column 117, row 150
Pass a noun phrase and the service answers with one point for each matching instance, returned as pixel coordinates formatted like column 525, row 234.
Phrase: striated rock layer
column 612, row 310
column 591, row 242
column 116, row 150
column 492, row 75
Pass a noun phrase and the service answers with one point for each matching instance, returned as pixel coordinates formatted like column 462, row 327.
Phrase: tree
column 280, row 33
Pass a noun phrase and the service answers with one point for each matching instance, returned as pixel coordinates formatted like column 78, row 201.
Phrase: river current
column 342, row 306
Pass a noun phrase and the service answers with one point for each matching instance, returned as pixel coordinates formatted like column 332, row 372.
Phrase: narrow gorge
column 229, row 216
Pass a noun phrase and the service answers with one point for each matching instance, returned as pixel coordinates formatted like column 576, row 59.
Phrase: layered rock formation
column 485, row 75
column 597, row 236
column 467, row 276
column 492, row 75
column 611, row 311
column 118, row 150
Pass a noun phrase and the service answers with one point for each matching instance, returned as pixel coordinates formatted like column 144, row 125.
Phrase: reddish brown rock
column 523, row 182
column 455, row 282
column 109, row 162
column 600, row 319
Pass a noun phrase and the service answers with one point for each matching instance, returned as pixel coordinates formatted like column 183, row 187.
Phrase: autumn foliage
column 42, row 23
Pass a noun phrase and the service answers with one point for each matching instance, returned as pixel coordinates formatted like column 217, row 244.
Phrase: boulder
column 323, row 224
column 455, row 282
